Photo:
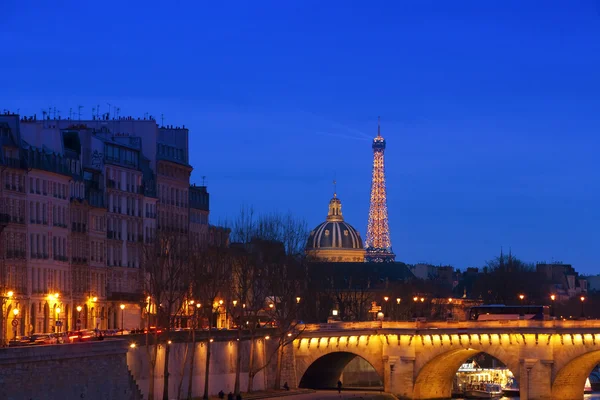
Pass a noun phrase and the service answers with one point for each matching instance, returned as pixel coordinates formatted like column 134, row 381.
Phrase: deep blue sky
column 491, row 109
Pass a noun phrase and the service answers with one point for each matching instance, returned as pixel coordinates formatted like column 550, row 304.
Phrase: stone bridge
column 418, row 360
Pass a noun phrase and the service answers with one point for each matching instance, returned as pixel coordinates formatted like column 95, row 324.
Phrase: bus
column 496, row 312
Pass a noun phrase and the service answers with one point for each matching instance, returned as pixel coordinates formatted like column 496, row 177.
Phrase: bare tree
column 164, row 283
column 268, row 243
column 285, row 284
column 211, row 277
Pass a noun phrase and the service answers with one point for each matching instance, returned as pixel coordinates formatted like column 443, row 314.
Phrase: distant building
column 593, row 283
column 441, row 274
column 78, row 202
column 564, row 281
column 335, row 240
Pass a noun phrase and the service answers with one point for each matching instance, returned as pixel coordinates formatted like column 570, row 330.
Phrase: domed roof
column 334, row 233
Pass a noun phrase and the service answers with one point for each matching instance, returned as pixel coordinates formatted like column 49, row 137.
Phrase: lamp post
column 122, row 306
column 57, row 322
column 552, row 297
column 385, row 307
column 423, row 307
column 79, row 318
column 450, row 307
column 298, row 310
column 397, row 312
column 521, row 311
column 582, row 298
column 15, row 322
column 416, row 314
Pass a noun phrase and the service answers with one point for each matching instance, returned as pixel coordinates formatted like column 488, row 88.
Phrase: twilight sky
column 490, row 109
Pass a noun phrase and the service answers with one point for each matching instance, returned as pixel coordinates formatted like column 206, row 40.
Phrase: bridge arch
column 326, row 370
column 434, row 379
column 311, row 353
column 570, row 380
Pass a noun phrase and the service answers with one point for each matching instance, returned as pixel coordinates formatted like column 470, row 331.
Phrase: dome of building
column 335, row 239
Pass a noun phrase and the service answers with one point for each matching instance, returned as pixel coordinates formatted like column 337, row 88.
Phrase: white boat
column 483, row 391
column 588, row 386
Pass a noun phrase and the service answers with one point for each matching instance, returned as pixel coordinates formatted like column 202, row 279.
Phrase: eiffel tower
column 378, row 244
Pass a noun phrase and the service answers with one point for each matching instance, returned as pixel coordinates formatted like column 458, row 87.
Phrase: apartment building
column 79, row 201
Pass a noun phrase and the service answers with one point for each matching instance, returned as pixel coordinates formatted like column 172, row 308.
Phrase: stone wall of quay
column 90, row 371
column 221, row 371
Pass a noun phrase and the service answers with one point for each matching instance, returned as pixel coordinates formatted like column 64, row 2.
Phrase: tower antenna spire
column 378, row 126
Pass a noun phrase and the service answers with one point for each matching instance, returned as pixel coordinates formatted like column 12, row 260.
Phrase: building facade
column 79, row 203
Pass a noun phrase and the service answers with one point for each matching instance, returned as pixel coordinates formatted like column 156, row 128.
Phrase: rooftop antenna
column 79, row 112
column 203, row 179
column 70, row 112
column 162, row 120
column 145, row 115
column 118, row 110
column 108, row 113
column 98, row 112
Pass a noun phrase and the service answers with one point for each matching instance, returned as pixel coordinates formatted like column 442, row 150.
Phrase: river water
column 591, row 396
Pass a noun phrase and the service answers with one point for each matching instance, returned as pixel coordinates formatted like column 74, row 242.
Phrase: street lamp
column 385, row 306
column 15, row 322
column 79, row 317
column 122, row 318
column 451, row 307
column 582, row 298
column 552, row 297
column 57, row 322
column 298, row 300
column 416, row 300
column 521, row 311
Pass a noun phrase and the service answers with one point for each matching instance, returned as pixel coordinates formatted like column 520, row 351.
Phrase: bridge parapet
column 419, row 327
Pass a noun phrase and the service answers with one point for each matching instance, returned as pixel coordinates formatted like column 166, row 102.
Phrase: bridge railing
column 467, row 325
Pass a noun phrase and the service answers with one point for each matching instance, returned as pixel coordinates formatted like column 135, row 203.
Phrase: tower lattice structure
column 378, row 244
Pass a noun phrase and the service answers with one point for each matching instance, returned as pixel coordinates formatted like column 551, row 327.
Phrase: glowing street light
column 386, row 298
column 122, row 306
column 235, row 303
column 15, row 323
column 582, row 298
column 521, row 312
column 552, row 297
column 298, row 299
column 10, row 293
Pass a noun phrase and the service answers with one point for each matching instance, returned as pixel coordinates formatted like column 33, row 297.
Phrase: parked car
column 18, row 341
column 81, row 336
column 43, row 338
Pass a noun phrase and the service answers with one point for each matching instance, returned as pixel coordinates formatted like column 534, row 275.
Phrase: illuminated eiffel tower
column 378, row 244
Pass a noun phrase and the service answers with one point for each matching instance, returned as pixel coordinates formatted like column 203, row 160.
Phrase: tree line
column 257, row 282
